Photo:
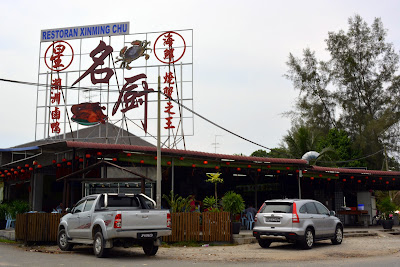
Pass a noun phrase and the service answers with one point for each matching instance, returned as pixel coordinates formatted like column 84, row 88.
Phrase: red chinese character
column 168, row 91
column 132, row 99
column 168, row 39
column 105, row 51
column 55, row 127
column 55, row 97
column 169, row 123
column 169, row 78
column 169, row 54
column 56, row 84
column 55, row 114
column 168, row 108
column 56, row 57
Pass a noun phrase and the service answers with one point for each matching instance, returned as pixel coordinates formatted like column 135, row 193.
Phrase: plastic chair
column 10, row 222
column 243, row 218
column 249, row 221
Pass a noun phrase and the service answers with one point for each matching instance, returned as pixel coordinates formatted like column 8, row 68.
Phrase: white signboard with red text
column 111, row 76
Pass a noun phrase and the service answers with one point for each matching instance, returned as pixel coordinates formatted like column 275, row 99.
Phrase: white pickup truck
column 108, row 220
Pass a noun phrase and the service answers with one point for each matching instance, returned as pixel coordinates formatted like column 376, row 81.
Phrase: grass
column 2, row 240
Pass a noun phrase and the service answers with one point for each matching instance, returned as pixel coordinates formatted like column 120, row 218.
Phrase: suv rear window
column 277, row 207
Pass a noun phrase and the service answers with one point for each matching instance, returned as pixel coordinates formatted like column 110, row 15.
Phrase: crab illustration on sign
column 138, row 49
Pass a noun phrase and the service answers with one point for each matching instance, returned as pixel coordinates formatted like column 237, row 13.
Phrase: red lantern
column 287, row 168
column 155, row 157
column 99, row 153
column 387, row 182
column 329, row 179
column 5, row 171
column 373, row 181
column 15, row 172
column 238, row 169
column 268, row 166
column 54, row 161
column 129, row 154
column 312, row 178
column 358, row 181
column 337, row 175
column 181, row 158
column 393, row 179
column 80, row 159
column 142, row 161
column 26, row 165
column 30, row 168
column 19, row 167
column 169, row 163
column 259, row 170
column 205, row 162
column 114, row 159
column 249, row 166
column 87, row 156
column 344, row 180
column 9, row 174
column 58, row 165
column 352, row 177
column 320, row 175
column 35, row 162
column 366, row 177
column 22, row 170
column 216, row 167
column 193, row 165
column 64, row 159
column 278, row 171
column 12, row 169
column 69, row 163
column 380, row 178
column 228, row 163
column 39, row 166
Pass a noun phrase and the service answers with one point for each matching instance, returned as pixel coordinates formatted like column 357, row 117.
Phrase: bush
column 233, row 202
column 13, row 208
column 178, row 203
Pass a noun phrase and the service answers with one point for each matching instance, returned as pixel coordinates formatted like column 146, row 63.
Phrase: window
column 277, row 207
column 89, row 204
column 303, row 209
column 78, row 207
column 311, row 209
column 122, row 201
column 321, row 208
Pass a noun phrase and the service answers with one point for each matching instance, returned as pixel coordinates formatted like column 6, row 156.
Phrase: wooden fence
column 186, row 226
column 35, row 227
column 206, row 226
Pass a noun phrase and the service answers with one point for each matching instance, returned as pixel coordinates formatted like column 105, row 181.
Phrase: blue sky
column 240, row 50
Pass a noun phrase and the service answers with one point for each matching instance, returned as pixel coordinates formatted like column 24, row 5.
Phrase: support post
column 158, row 192
column 299, row 182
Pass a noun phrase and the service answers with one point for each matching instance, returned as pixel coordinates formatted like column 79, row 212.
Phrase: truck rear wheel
column 99, row 245
column 149, row 248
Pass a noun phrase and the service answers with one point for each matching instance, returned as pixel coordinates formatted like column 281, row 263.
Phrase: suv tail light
column 255, row 217
column 169, row 220
column 295, row 216
column 118, row 221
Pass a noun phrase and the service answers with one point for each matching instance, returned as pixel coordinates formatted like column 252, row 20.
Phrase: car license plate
column 272, row 219
column 146, row 235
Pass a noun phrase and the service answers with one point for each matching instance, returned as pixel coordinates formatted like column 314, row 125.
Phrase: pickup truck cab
column 108, row 220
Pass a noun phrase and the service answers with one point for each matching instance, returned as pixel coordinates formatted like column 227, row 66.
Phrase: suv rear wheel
column 338, row 236
column 308, row 241
column 264, row 243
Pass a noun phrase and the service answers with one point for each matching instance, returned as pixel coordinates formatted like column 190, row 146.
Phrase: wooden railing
column 186, row 226
column 36, row 227
column 206, row 226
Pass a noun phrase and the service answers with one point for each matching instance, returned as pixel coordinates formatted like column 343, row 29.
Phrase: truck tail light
column 295, row 216
column 169, row 220
column 255, row 217
column 118, row 221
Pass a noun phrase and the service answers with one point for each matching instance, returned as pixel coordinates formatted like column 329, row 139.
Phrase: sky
column 240, row 50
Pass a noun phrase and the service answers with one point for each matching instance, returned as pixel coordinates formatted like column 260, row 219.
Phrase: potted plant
column 233, row 203
column 387, row 209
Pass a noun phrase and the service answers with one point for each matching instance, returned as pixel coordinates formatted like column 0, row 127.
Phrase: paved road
column 12, row 255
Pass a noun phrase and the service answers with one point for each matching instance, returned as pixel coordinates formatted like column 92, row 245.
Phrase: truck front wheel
column 62, row 241
column 99, row 245
column 149, row 248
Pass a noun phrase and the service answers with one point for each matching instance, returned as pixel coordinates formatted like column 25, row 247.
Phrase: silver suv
column 297, row 221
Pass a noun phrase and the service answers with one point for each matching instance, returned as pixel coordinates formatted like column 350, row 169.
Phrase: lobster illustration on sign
column 138, row 49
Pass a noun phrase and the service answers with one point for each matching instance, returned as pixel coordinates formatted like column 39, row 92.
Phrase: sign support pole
column 158, row 193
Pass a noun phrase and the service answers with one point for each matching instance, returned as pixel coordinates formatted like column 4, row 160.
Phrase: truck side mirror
column 332, row 213
column 68, row 210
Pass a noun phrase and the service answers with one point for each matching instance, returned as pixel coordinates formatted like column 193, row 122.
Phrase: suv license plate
column 272, row 219
column 146, row 235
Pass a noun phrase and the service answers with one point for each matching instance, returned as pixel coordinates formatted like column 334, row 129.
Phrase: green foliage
column 259, row 153
column 301, row 139
column 233, row 202
column 178, row 203
column 386, row 207
column 356, row 90
column 13, row 208
column 210, row 203
column 215, row 179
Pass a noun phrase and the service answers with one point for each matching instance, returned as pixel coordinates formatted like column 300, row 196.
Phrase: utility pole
column 215, row 143
column 158, row 192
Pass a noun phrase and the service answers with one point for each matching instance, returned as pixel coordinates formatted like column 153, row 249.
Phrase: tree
column 356, row 90
column 259, row 153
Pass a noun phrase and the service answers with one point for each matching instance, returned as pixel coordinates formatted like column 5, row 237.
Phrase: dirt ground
column 381, row 245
